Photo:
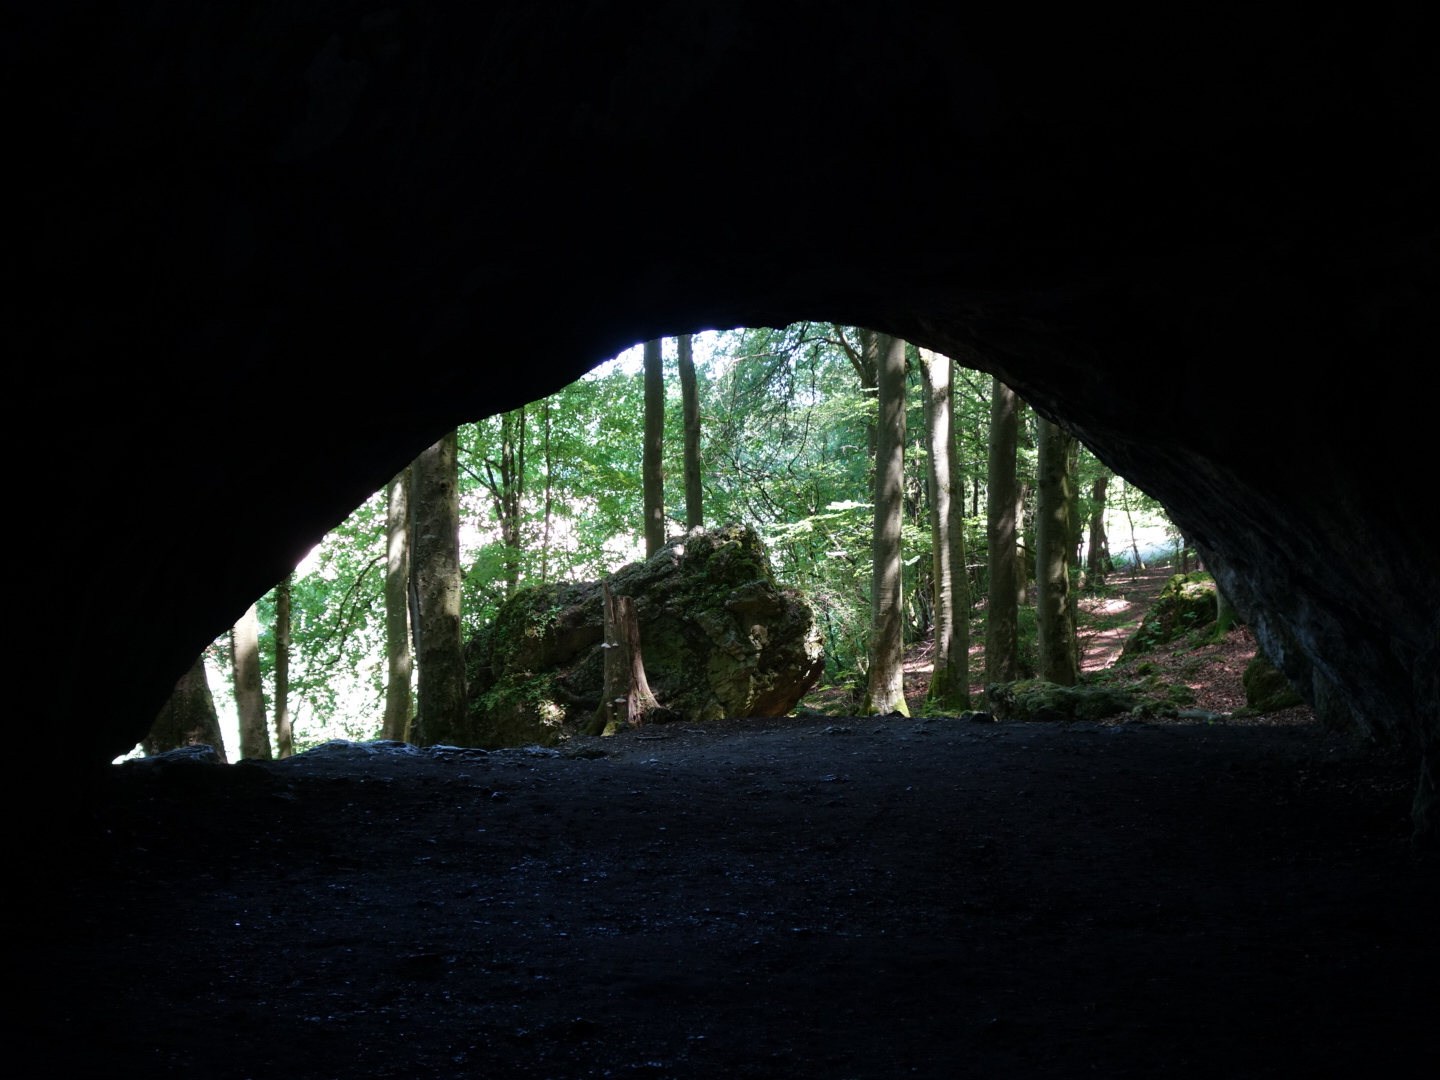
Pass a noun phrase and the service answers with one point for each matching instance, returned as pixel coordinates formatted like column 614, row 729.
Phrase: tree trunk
column 505, row 482
column 1097, row 558
column 549, row 500
column 1002, row 528
column 690, row 406
column 284, row 737
column 435, row 539
column 652, row 466
column 188, row 718
column 887, row 615
column 1056, row 624
column 1139, row 563
column 626, row 700
column 950, row 679
column 398, row 660
column 249, row 689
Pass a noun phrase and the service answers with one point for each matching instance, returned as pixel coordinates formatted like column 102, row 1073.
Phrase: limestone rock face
column 1034, row 699
column 719, row 638
column 1186, row 601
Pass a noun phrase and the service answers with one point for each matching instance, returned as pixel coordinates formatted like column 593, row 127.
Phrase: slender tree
column 188, row 718
column 652, row 464
column 1139, row 563
column 1054, row 613
column 284, row 737
column 1002, row 641
column 690, row 408
column 398, row 659
column 950, row 679
column 887, row 615
column 1097, row 556
column 549, row 497
column 435, row 539
column 504, row 481
column 249, row 690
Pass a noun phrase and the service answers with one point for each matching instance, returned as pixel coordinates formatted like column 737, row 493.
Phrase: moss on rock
column 1187, row 601
column 1266, row 688
column 1034, row 699
column 719, row 637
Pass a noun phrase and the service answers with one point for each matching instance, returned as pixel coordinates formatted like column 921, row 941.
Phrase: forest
column 918, row 506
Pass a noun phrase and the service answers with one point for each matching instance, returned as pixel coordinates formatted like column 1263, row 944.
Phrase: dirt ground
column 801, row 897
column 791, row 898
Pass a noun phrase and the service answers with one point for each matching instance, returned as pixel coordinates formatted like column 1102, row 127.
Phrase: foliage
column 552, row 492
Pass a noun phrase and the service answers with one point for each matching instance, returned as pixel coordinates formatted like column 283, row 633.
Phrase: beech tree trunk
column 1002, row 530
column 398, row 660
column 652, row 471
column 284, row 737
column 1097, row 558
column 887, row 615
column 504, row 480
column 626, row 700
column 435, row 546
column 690, row 405
column 1054, row 613
column 188, row 718
column 1139, row 563
column 249, row 689
column 950, row 678
column 549, row 499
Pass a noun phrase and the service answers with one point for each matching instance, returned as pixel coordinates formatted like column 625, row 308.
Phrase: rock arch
column 266, row 251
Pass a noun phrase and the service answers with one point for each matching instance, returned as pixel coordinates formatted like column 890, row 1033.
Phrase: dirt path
column 793, row 898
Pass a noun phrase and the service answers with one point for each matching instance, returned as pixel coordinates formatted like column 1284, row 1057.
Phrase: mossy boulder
column 1266, row 688
column 1034, row 699
column 718, row 635
column 1186, row 601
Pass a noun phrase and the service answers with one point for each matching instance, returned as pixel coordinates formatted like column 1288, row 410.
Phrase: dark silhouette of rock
column 719, row 638
column 1159, row 233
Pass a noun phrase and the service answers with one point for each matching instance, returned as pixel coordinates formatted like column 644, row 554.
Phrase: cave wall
column 264, row 252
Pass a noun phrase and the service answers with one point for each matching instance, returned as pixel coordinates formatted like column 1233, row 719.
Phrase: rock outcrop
column 1035, row 699
column 1186, row 601
column 719, row 638
column 329, row 200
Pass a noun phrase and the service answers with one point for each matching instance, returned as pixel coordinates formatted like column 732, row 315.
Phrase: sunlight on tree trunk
column 887, row 623
column 398, row 660
column 1139, row 563
column 652, row 465
column 626, row 701
column 284, row 737
column 1097, row 557
column 950, row 678
column 1052, row 560
column 249, row 690
column 690, row 411
column 188, row 718
column 1002, row 529
column 435, row 545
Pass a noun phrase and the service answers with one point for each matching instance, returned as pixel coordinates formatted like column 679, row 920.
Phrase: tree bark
column 887, row 616
column 1054, row 618
column 652, row 470
column 1139, row 563
column 435, row 539
column 398, row 660
column 690, row 405
column 627, row 700
column 1097, row 558
column 249, row 689
column 505, row 482
column 188, row 718
column 950, row 677
column 284, row 737
column 1002, row 529
column 549, row 500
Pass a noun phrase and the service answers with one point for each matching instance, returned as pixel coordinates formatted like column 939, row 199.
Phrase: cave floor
column 787, row 898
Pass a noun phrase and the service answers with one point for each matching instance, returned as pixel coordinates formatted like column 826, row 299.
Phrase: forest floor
column 796, row 897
